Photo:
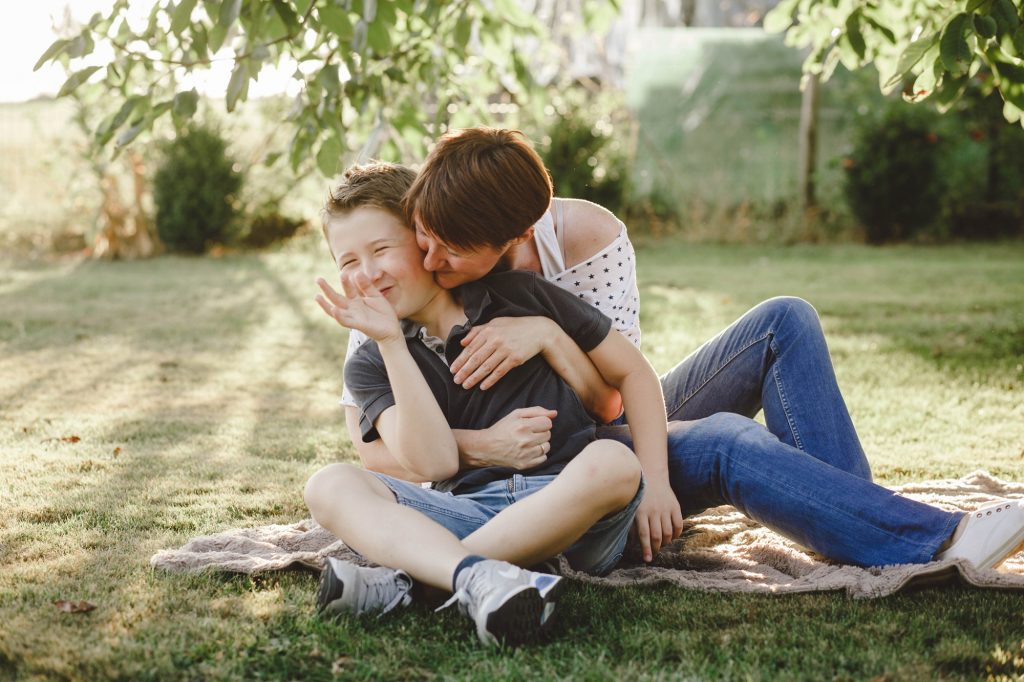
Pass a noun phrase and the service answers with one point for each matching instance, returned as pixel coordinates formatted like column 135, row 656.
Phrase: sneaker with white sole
column 993, row 534
column 509, row 605
column 357, row 590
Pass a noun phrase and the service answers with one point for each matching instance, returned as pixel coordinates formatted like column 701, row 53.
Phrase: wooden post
column 808, row 145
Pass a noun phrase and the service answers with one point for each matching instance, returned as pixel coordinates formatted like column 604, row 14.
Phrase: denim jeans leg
column 730, row 459
column 773, row 358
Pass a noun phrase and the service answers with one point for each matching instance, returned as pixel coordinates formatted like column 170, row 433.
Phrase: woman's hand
column 521, row 440
column 492, row 349
column 658, row 520
column 363, row 307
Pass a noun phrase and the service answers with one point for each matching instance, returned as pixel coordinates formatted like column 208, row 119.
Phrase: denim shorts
column 596, row 553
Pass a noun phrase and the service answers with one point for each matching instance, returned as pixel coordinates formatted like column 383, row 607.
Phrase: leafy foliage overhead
column 365, row 67
column 929, row 48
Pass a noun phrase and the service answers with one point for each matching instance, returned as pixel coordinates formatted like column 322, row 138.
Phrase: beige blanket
column 720, row 551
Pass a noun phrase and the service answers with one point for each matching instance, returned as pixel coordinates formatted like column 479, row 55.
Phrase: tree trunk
column 808, row 143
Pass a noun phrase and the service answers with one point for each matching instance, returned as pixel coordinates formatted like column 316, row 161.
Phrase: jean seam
column 838, row 510
column 783, row 398
column 718, row 371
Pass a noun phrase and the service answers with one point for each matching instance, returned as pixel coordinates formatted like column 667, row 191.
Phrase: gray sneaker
column 508, row 604
column 347, row 588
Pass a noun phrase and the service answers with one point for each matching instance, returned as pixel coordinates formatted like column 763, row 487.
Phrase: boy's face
column 452, row 266
column 373, row 241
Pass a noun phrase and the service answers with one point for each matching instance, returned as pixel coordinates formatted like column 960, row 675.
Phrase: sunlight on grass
column 145, row 403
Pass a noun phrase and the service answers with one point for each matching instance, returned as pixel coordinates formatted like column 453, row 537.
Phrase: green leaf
column 949, row 91
column 378, row 38
column 185, row 104
column 1006, row 17
column 953, row 47
column 303, row 6
column 330, row 79
column 329, row 157
column 80, row 46
column 909, row 59
column 287, row 15
column 131, row 133
column 854, row 34
column 217, row 35
column 463, row 31
column 985, row 26
column 884, row 30
column 337, row 22
column 1011, row 112
column 182, row 16
column 1018, row 41
column 76, row 79
column 52, row 51
column 229, row 12
column 975, row 5
column 238, row 85
column 781, row 17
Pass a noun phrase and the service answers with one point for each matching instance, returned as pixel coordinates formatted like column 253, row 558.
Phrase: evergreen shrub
column 195, row 190
column 894, row 182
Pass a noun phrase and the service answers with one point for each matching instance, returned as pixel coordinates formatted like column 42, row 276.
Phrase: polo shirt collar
column 475, row 300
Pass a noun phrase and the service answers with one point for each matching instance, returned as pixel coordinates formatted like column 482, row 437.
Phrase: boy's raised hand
column 363, row 307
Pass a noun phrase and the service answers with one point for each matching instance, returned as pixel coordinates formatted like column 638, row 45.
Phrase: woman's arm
column 519, row 441
column 495, row 348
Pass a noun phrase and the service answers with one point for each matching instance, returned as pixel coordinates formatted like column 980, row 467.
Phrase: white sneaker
column 993, row 534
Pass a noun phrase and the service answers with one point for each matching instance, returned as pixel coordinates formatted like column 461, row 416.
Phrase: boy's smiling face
column 374, row 241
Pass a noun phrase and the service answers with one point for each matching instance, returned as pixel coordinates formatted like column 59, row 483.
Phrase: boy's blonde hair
column 378, row 184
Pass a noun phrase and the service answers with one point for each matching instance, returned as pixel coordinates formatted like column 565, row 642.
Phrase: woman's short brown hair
column 479, row 187
column 378, row 184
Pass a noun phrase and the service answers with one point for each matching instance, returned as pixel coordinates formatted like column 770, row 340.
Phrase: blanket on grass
column 720, row 551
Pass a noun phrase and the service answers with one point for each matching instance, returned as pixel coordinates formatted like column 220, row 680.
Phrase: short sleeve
column 366, row 378
column 355, row 339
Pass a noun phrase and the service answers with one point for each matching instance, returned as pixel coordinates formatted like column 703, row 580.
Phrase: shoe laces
column 379, row 588
column 476, row 582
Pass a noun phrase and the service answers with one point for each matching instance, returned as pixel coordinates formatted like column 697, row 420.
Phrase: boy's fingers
column 327, row 307
column 643, row 534
column 329, row 292
column 347, row 287
column 365, row 286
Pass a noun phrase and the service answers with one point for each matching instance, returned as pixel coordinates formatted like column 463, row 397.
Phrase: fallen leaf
column 71, row 439
column 339, row 665
column 117, row 451
column 73, row 606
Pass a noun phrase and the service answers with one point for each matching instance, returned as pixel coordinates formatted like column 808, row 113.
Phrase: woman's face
column 451, row 266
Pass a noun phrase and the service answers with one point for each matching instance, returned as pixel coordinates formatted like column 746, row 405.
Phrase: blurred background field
column 702, row 137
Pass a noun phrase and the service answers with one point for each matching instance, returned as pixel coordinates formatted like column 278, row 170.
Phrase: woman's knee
column 792, row 311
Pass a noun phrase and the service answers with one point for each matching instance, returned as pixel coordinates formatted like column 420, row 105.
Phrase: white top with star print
column 606, row 280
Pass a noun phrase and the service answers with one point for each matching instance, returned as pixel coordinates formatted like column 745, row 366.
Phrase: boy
column 579, row 498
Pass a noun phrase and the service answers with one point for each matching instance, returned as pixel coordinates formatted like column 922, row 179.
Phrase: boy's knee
column 326, row 483
column 613, row 468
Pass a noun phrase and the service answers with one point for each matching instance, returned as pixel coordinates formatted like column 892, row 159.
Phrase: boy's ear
column 523, row 237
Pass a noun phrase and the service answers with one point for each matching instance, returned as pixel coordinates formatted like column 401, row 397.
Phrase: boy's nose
column 372, row 270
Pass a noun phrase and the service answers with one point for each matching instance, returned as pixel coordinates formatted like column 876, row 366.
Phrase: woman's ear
column 523, row 237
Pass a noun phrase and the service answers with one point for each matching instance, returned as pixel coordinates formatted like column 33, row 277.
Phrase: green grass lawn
column 144, row 403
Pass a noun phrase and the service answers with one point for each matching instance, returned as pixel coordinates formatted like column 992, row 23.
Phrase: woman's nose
column 432, row 260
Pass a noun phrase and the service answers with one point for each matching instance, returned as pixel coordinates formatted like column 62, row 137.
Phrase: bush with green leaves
column 195, row 190
column 585, row 159
column 894, row 180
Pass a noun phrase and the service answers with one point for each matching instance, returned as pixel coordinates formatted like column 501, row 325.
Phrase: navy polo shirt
column 507, row 294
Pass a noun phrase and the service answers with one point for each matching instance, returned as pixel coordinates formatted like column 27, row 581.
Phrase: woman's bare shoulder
column 588, row 229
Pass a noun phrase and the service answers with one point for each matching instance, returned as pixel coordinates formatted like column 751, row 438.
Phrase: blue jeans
column 805, row 475
column 596, row 552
